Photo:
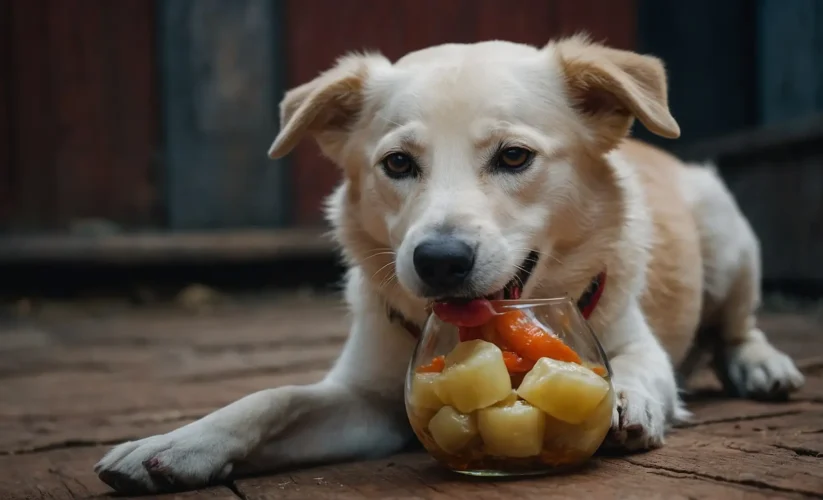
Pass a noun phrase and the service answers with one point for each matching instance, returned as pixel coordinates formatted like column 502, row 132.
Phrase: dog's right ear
column 324, row 107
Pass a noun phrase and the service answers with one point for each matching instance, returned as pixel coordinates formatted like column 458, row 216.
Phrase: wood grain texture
column 770, row 185
column 67, row 475
column 736, row 461
column 6, row 140
column 84, row 113
column 416, row 476
column 73, row 383
column 319, row 31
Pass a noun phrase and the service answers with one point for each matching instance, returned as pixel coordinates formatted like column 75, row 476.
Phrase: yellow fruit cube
column 585, row 437
column 509, row 400
column 515, row 431
column 475, row 377
column 566, row 391
column 422, row 394
column 452, row 430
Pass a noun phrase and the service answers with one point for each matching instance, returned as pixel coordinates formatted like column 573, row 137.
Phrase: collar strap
column 411, row 327
column 591, row 296
column 586, row 304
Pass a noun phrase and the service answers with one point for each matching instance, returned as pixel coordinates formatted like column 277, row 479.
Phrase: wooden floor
column 72, row 384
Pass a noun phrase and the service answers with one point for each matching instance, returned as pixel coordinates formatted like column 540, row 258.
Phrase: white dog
column 460, row 164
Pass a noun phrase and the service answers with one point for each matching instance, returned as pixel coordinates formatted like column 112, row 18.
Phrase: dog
column 463, row 163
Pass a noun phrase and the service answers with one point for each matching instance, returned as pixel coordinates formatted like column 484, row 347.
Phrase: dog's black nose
column 443, row 263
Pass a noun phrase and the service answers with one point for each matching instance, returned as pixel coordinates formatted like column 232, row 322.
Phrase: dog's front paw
column 183, row 459
column 638, row 421
column 756, row 369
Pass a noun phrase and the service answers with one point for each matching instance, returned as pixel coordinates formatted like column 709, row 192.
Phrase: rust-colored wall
column 318, row 31
column 5, row 124
column 81, row 112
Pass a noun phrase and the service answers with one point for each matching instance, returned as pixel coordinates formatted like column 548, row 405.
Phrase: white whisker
column 384, row 267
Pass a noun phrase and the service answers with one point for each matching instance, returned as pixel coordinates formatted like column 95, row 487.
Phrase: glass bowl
column 525, row 390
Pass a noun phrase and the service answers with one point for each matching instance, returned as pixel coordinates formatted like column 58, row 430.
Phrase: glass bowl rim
column 519, row 304
column 533, row 303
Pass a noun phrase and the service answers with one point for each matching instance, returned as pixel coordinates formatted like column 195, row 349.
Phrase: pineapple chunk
column 512, row 431
column 511, row 399
column 423, row 393
column 475, row 376
column 566, row 391
column 419, row 417
column 452, row 430
column 586, row 437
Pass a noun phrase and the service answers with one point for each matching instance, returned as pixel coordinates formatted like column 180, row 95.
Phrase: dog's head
column 462, row 159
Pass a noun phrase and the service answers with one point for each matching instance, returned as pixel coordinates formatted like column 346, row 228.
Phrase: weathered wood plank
column 221, row 82
column 87, row 403
column 67, row 475
column 98, row 380
column 416, row 476
column 721, row 408
column 737, row 461
column 801, row 433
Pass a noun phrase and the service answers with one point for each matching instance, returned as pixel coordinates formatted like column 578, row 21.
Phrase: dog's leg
column 357, row 411
column 744, row 359
column 648, row 401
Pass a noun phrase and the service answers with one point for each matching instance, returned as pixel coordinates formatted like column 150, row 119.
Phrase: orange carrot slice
column 489, row 334
column 599, row 369
column 530, row 340
column 516, row 364
column 436, row 366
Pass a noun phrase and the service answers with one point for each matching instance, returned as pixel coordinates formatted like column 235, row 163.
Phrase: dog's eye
column 399, row 165
column 513, row 158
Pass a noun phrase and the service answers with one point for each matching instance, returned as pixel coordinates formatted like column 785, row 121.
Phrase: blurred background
column 133, row 133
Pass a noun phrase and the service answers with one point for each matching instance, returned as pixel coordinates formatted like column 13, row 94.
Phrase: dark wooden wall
column 5, row 116
column 709, row 50
column 318, row 31
column 746, row 84
column 78, row 113
column 790, row 59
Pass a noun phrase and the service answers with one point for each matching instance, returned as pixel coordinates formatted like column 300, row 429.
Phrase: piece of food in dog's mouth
column 478, row 311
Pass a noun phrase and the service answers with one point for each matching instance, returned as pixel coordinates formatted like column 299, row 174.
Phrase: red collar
column 591, row 296
column 586, row 303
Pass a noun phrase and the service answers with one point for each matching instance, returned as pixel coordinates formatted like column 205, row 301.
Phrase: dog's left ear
column 324, row 107
column 611, row 87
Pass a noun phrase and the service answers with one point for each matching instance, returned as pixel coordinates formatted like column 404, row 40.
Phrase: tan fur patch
column 610, row 87
column 673, row 296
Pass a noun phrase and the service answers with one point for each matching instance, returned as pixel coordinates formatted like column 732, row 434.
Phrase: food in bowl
column 510, row 397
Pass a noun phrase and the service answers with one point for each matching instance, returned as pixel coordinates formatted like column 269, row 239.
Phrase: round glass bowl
column 528, row 391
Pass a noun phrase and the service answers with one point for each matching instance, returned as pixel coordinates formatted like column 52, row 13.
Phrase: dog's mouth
column 476, row 311
column 513, row 289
